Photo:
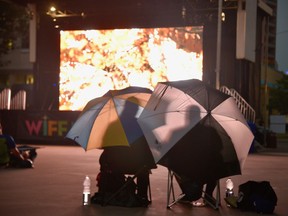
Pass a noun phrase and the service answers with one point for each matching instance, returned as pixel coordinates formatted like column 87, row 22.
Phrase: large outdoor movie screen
column 96, row 61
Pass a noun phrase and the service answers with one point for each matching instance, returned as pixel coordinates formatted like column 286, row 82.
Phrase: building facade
column 40, row 78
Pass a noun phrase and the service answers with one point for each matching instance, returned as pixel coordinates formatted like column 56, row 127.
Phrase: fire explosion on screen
column 95, row 61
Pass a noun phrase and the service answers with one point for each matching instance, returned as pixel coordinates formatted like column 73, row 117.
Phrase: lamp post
column 218, row 47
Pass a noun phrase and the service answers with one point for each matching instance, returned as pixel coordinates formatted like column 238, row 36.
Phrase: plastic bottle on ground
column 86, row 191
column 229, row 187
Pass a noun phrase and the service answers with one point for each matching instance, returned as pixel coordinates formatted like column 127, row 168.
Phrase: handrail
column 5, row 99
column 18, row 102
column 245, row 108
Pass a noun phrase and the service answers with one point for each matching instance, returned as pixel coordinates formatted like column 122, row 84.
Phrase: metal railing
column 245, row 108
column 5, row 99
column 17, row 102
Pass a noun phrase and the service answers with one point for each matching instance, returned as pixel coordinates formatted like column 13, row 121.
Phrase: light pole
column 218, row 47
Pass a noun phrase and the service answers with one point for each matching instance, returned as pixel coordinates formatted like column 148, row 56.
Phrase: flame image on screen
column 93, row 62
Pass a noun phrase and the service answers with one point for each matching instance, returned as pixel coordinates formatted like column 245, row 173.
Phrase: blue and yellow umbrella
column 111, row 120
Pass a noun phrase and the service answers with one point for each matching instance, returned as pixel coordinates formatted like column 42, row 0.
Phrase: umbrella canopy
column 111, row 120
column 196, row 130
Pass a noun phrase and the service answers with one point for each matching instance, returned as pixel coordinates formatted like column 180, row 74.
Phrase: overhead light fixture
column 52, row 9
column 55, row 13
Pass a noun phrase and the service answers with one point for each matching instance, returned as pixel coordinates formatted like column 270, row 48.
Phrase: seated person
column 11, row 156
column 193, row 190
column 115, row 162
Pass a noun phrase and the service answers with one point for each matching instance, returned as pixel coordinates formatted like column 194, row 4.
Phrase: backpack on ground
column 257, row 196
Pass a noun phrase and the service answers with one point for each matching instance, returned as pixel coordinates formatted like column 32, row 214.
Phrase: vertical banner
column 246, row 30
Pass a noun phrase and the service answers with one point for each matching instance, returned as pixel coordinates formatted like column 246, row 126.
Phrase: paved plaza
column 54, row 186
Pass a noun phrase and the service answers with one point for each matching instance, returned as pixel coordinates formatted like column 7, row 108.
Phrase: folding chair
column 129, row 181
column 170, row 192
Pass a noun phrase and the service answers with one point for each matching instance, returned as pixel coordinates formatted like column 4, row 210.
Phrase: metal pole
column 266, row 96
column 218, row 48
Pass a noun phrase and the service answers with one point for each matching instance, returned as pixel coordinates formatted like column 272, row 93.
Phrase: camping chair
column 130, row 180
column 170, row 192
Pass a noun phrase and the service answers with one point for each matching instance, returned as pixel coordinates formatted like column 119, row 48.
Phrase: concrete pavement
column 54, row 186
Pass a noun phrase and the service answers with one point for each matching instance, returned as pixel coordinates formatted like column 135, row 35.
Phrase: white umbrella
column 191, row 128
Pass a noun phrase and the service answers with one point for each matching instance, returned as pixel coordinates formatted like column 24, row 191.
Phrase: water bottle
column 86, row 191
column 229, row 188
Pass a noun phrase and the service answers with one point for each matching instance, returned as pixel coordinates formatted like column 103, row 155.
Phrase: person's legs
column 142, row 184
column 28, row 152
column 142, row 187
column 32, row 154
column 189, row 187
column 210, row 186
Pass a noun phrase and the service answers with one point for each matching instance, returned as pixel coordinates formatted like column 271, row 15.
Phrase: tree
column 14, row 24
column 279, row 96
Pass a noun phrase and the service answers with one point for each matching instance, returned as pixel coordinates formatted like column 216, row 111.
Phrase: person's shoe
column 198, row 204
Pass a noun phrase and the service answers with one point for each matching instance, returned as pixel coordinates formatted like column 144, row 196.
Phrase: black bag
column 257, row 196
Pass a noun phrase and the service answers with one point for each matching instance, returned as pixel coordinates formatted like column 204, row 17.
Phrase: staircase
column 245, row 108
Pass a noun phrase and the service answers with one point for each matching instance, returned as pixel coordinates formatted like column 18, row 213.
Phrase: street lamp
column 54, row 13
